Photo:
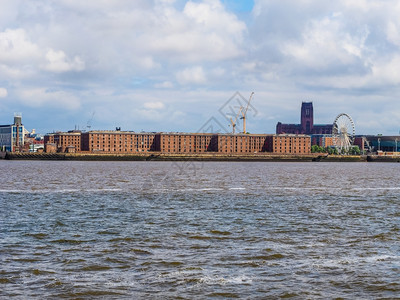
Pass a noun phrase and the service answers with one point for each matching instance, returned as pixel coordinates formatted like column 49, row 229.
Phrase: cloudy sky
column 171, row 65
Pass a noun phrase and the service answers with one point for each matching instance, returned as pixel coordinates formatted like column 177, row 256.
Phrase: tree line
column 354, row 150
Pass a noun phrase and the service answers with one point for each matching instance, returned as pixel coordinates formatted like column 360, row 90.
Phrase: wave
column 195, row 189
column 322, row 188
column 60, row 191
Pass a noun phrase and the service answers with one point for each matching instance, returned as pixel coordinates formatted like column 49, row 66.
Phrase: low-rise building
column 118, row 141
column 322, row 140
column 361, row 142
column 186, row 142
column 289, row 144
column 50, row 148
column 242, row 143
column 132, row 142
column 383, row 143
column 63, row 140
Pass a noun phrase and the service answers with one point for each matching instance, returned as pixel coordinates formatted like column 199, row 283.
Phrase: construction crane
column 243, row 111
column 233, row 122
column 89, row 122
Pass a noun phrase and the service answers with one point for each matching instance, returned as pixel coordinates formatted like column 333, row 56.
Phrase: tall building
column 307, row 125
column 12, row 136
column 307, row 117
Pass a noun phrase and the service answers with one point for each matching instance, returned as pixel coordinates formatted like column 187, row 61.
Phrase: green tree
column 332, row 150
column 355, row 150
column 314, row 148
column 317, row 149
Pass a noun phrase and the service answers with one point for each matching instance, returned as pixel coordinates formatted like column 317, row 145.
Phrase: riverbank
column 383, row 158
column 181, row 157
column 315, row 157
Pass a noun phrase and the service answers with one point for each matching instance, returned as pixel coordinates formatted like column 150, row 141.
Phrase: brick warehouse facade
column 118, row 142
column 61, row 141
column 290, row 144
column 132, row 142
column 186, row 142
column 242, row 143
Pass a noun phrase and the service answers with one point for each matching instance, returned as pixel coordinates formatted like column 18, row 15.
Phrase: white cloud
column 204, row 31
column 194, row 75
column 387, row 71
column 58, row 62
column 325, row 44
column 8, row 12
column 16, row 72
column 174, row 54
column 18, row 55
column 218, row 72
column 154, row 105
column 147, row 63
column 21, row 58
column 15, row 47
column 164, row 85
column 393, row 33
column 38, row 97
column 3, row 93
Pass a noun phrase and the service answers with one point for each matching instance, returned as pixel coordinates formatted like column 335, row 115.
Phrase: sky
column 188, row 66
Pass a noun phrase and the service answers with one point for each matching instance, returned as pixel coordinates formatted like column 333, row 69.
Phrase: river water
column 216, row 230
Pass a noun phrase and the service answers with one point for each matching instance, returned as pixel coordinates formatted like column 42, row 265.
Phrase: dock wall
column 191, row 157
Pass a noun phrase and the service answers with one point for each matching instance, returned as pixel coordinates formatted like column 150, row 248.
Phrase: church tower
column 307, row 117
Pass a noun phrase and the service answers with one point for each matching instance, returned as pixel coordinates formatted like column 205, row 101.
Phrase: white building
column 12, row 136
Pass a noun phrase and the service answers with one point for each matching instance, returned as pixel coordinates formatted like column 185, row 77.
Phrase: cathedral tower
column 307, row 117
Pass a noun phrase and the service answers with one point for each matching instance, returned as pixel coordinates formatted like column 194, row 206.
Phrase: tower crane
column 243, row 111
column 89, row 122
column 233, row 122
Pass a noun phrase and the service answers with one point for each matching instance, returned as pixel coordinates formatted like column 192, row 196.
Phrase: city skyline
column 171, row 65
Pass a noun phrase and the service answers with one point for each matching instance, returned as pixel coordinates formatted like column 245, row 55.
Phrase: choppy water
column 159, row 230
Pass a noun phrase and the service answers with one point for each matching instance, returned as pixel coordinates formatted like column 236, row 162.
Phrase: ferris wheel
column 343, row 132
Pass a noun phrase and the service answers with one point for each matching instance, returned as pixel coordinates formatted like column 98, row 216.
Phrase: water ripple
column 150, row 230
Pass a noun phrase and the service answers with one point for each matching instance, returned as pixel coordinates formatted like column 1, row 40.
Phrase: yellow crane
column 233, row 122
column 244, row 112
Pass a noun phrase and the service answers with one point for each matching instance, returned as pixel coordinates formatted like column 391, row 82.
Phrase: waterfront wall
column 160, row 157
column 383, row 158
column 259, row 157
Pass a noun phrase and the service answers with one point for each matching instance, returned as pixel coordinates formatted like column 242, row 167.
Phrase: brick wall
column 131, row 142
column 289, row 144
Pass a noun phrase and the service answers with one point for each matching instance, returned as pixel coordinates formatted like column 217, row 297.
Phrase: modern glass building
column 12, row 136
column 384, row 143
